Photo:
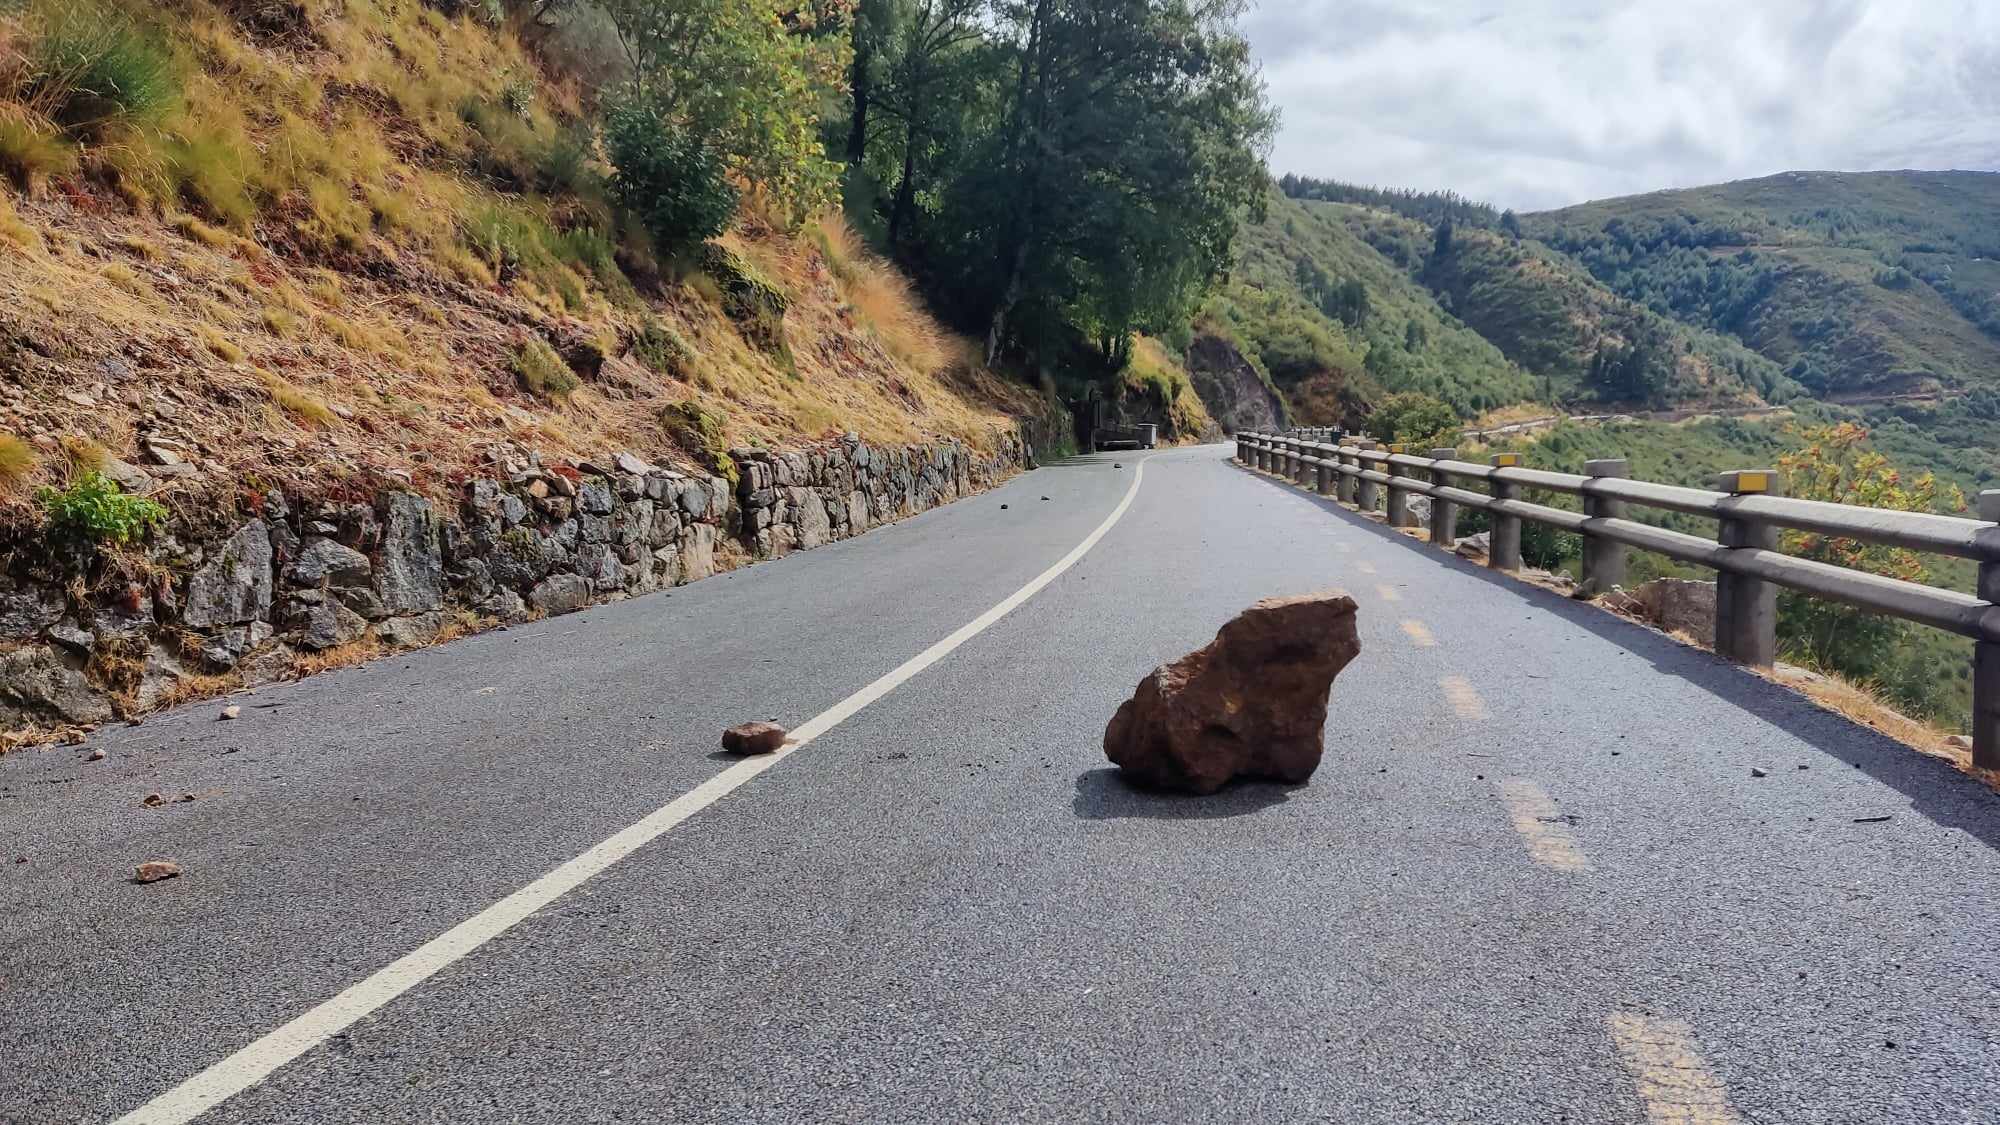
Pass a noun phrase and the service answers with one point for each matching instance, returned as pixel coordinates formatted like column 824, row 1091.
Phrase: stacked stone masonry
column 295, row 577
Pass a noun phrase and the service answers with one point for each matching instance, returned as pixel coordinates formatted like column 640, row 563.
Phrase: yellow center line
column 1419, row 635
column 1388, row 593
column 1544, row 830
column 1673, row 1080
column 1464, row 698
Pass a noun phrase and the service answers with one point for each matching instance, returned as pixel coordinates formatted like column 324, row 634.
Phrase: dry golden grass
column 33, row 149
column 126, row 278
column 18, row 462
column 340, row 656
column 15, row 232
column 881, row 296
column 219, row 345
column 22, row 738
column 213, row 237
column 199, row 686
column 303, row 407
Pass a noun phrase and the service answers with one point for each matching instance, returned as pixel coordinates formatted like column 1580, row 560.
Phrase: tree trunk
column 906, row 189
column 1022, row 222
column 857, row 133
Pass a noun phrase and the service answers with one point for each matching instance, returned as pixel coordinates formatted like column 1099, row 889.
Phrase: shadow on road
column 1103, row 794
column 1935, row 789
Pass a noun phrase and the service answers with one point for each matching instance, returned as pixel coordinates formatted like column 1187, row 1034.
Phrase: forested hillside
column 1861, row 285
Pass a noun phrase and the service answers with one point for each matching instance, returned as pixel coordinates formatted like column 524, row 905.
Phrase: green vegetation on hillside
column 1858, row 284
column 1337, row 326
column 1922, row 671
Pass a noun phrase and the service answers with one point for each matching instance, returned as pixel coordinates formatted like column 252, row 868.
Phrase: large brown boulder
column 1252, row 704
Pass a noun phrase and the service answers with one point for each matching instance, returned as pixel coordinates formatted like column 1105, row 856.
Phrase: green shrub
column 1419, row 420
column 508, row 239
column 94, row 511
column 542, row 372
column 700, row 431
column 562, row 165
column 664, row 350
column 93, row 68
column 668, row 178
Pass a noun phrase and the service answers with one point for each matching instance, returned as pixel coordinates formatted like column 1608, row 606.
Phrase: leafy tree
column 666, row 177
column 1416, row 419
column 1106, row 192
column 746, row 77
column 935, row 55
column 1835, row 463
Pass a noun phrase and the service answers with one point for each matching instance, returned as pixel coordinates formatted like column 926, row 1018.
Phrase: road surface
column 1534, row 880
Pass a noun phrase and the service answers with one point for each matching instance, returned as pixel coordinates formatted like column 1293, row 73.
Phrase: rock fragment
column 753, row 738
column 1249, row 705
column 154, row 870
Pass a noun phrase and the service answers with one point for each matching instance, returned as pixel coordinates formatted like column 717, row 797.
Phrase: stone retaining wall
column 295, row 577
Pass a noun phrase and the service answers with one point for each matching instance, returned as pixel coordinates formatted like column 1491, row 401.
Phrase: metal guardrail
column 1750, row 509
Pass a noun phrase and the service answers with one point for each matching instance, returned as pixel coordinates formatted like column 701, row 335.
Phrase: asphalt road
column 1533, row 881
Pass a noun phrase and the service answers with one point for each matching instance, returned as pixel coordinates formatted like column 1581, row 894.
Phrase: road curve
column 1534, row 880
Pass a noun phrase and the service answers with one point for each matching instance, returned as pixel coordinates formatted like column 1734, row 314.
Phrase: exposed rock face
column 1236, row 397
column 38, row 684
column 409, row 574
column 1251, row 704
column 234, row 588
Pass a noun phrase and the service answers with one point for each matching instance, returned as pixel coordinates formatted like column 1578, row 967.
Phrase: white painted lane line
column 1365, row 567
column 1419, row 633
column 1542, row 828
column 1672, row 1077
column 255, row 1062
column 1463, row 697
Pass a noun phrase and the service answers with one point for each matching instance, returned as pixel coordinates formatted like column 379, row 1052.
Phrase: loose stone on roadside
column 231, row 712
column 154, row 870
column 753, row 738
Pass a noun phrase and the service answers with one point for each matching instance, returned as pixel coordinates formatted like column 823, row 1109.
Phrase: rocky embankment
column 293, row 583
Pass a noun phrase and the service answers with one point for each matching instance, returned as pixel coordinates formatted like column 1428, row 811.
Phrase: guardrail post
column 1504, row 553
column 1746, row 608
column 1304, row 466
column 1444, row 514
column 1986, row 658
column 1603, row 560
column 1365, row 492
column 1264, row 455
column 1399, row 497
column 1327, row 475
column 1348, row 481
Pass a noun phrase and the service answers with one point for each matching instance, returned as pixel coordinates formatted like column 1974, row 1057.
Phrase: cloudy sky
column 1541, row 103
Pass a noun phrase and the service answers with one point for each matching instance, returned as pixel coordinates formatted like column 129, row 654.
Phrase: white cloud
column 1540, row 103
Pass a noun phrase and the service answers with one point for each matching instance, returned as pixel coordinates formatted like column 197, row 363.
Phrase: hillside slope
column 1862, row 285
column 364, row 240
column 1335, row 325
